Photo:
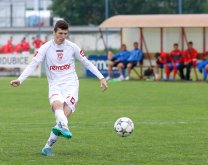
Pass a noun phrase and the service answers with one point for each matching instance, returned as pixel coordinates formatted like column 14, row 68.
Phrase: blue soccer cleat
column 62, row 130
column 47, row 152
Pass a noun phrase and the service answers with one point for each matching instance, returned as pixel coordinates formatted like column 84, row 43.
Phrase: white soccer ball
column 124, row 126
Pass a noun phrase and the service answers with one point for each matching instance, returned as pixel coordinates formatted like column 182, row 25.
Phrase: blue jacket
column 122, row 55
column 135, row 55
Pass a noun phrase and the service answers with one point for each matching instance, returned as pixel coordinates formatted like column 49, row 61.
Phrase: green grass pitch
column 170, row 118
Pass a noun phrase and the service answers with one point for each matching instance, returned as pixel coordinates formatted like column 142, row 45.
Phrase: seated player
column 134, row 59
column 190, row 60
column 162, row 59
column 176, row 61
column 115, row 59
column 203, row 65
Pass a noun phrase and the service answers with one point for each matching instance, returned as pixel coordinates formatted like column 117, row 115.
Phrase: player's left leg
column 70, row 95
column 205, row 72
column 188, row 71
column 120, row 67
column 167, row 71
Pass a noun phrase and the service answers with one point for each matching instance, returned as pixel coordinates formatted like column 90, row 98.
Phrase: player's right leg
column 156, row 72
column 110, row 67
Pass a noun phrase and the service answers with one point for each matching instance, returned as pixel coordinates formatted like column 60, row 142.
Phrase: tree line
column 92, row 12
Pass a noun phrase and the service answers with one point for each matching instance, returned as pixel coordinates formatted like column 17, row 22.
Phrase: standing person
column 25, row 46
column 190, row 59
column 37, row 42
column 59, row 56
column 10, row 45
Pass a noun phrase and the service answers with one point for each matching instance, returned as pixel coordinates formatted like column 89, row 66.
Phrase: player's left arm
column 103, row 84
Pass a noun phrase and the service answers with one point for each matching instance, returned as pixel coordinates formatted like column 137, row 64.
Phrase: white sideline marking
column 166, row 122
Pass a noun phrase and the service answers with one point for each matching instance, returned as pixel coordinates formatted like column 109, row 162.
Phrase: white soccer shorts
column 65, row 93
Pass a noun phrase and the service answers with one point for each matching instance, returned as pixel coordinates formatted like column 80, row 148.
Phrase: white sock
column 60, row 116
column 164, row 76
column 156, row 75
column 51, row 140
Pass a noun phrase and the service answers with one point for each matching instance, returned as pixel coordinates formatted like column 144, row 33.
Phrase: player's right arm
column 38, row 57
column 15, row 83
column 25, row 74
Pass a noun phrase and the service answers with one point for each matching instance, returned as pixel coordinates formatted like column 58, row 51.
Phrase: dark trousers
column 181, row 68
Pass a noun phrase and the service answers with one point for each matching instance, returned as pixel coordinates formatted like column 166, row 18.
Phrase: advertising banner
column 101, row 63
column 14, row 64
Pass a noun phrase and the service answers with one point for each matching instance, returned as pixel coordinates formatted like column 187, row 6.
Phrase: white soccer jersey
column 59, row 62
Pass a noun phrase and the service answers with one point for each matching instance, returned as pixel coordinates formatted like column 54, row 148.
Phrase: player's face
column 190, row 46
column 135, row 45
column 60, row 35
column 123, row 47
column 176, row 47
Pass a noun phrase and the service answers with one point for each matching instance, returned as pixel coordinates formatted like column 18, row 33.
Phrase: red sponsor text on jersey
column 63, row 67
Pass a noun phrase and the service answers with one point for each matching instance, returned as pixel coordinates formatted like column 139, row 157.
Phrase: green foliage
column 79, row 12
column 88, row 12
column 170, row 124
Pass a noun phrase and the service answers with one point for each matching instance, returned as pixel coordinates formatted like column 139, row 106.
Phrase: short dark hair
column 175, row 44
column 157, row 55
column 62, row 25
column 190, row 43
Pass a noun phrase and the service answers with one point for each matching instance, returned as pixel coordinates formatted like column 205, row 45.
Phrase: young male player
column 176, row 59
column 59, row 57
column 190, row 60
column 203, row 65
column 162, row 60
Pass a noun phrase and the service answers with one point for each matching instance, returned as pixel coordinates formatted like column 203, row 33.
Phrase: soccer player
column 115, row 59
column 134, row 58
column 162, row 59
column 176, row 58
column 190, row 60
column 59, row 56
column 25, row 46
column 203, row 65
column 37, row 42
